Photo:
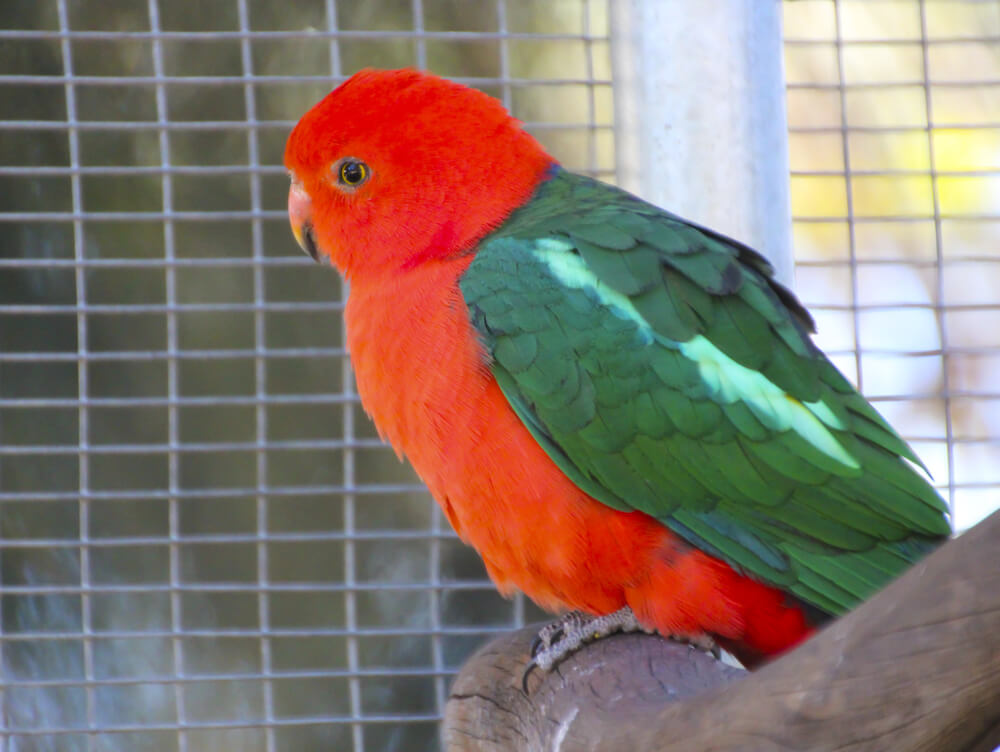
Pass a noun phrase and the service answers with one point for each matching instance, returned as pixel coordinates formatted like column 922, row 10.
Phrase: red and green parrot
column 620, row 410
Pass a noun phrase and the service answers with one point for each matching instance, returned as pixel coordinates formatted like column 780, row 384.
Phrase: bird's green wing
column 663, row 369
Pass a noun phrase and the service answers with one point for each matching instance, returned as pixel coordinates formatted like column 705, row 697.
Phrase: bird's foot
column 572, row 631
column 567, row 634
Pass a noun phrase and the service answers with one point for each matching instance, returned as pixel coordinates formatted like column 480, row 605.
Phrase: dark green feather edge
column 631, row 421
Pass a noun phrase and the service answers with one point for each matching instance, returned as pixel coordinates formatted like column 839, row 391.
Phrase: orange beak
column 300, row 217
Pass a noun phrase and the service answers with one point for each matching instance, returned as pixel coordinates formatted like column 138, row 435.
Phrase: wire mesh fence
column 894, row 111
column 203, row 543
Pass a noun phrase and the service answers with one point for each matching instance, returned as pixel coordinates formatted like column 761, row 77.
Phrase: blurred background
column 203, row 545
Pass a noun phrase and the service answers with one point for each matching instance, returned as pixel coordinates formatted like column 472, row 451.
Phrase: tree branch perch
column 914, row 669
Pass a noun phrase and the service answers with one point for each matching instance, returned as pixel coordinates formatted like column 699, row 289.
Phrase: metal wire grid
column 895, row 131
column 233, row 647
column 101, row 647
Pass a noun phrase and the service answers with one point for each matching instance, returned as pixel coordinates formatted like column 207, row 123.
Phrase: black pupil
column 353, row 172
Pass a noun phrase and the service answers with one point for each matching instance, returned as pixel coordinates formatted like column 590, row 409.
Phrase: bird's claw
column 527, row 672
column 546, row 637
column 552, row 633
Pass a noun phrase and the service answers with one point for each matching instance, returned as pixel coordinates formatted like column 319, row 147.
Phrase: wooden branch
column 915, row 669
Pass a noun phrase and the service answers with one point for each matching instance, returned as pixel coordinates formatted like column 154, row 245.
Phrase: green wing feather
column 663, row 369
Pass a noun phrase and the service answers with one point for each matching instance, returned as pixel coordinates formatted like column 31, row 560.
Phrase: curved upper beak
column 300, row 217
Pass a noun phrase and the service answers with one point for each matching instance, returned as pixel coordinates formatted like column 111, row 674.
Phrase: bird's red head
column 395, row 168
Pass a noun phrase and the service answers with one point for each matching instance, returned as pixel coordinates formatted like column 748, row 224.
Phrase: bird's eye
column 352, row 173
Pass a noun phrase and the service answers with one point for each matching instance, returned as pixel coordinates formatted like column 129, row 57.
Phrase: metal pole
column 700, row 120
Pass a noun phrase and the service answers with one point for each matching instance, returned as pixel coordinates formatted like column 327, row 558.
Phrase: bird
column 622, row 411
